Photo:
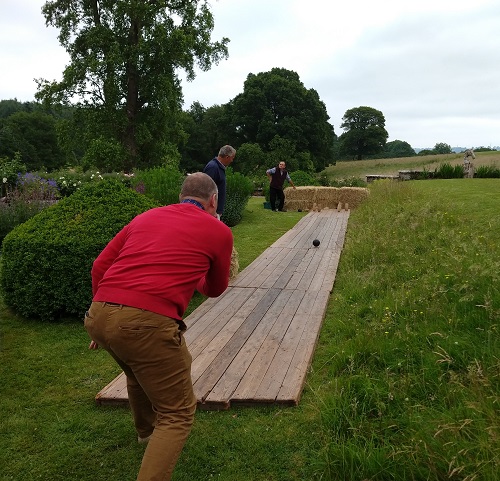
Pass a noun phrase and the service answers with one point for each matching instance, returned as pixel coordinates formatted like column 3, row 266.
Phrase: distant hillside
column 457, row 150
column 362, row 168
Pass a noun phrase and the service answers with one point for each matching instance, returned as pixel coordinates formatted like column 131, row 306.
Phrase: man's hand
column 93, row 345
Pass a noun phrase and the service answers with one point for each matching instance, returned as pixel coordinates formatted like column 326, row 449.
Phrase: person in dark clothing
column 277, row 177
column 216, row 169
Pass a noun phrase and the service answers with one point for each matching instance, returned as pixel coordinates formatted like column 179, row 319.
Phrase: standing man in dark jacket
column 216, row 169
column 277, row 177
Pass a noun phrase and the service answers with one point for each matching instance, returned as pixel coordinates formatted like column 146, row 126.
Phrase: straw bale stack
column 235, row 264
column 319, row 198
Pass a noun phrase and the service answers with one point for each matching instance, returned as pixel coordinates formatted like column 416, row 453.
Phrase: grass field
column 361, row 168
column 404, row 384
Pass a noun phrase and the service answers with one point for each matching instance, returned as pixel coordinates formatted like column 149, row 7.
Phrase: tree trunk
column 132, row 104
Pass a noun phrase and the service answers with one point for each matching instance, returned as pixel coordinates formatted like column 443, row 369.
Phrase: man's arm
column 106, row 258
column 217, row 278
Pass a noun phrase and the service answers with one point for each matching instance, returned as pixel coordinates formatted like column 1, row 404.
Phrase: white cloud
column 431, row 66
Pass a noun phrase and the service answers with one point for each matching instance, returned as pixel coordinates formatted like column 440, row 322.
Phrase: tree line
column 119, row 103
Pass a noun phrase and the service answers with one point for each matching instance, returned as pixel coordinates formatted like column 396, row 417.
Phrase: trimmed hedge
column 46, row 262
column 162, row 184
column 239, row 190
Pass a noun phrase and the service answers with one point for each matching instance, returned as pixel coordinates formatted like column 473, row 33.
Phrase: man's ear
column 213, row 201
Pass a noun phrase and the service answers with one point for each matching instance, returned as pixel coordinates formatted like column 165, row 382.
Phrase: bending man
column 142, row 283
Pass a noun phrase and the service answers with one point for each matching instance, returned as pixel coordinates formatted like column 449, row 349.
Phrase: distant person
column 277, row 177
column 216, row 169
column 142, row 283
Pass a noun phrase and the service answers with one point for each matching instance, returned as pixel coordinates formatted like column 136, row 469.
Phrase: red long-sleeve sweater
column 158, row 260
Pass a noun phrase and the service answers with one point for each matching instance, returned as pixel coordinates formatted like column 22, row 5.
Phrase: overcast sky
column 431, row 66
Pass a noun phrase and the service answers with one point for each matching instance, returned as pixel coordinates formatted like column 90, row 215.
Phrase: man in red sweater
column 142, row 283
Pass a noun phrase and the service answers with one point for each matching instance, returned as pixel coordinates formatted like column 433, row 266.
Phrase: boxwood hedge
column 46, row 262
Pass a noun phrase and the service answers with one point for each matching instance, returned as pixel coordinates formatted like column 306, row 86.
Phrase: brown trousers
column 151, row 350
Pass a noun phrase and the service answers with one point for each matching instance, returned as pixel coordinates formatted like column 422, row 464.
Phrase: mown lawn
column 404, row 384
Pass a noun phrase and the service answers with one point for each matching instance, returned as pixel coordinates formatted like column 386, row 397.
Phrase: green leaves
column 46, row 262
column 124, row 60
column 364, row 132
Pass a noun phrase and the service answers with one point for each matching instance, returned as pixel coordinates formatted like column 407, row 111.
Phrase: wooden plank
column 254, row 344
column 339, row 232
column 232, row 377
column 287, row 274
column 288, row 262
column 271, row 383
column 254, row 268
column 293, row 382
column 300, row 270
column 331, row 272
column 214, row 321
column 253, row 377
column 203, row 360
column 265, row 266
column 318, row 230
column 114, row 393
column 293, row 236
column 318, row 276
column 214, row 372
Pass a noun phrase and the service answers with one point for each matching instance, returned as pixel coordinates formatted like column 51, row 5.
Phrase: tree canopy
column 442, row 148
column 33, row 136
column 123, row 70
column 276, row 105
column 364, row 132
column 399, row 148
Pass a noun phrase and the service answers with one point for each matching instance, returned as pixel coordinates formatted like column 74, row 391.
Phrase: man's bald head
column 198, row 185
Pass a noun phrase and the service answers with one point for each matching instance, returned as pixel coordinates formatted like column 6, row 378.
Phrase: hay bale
column 317, row 198
column 235, row 265
column 296, row 205
column 353, row 196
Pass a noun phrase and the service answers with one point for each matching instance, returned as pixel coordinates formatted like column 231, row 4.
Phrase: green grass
column 404, row 384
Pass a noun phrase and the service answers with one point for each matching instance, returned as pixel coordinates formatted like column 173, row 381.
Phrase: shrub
column 239, row 191
column 104, row 154
column 448, row 171
column 70, row 180
column 30, row 195
column 16, row 211
column 299, row 177
column 348, row 182
column 46, row 262
column 162, row 184
column 487, row 172
column 9, row 170
column 34, row 187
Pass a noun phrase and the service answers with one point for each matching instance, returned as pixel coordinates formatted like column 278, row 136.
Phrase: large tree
column 399, row 148
column 33, row 135
column 125, row 56
column 276, row 104
column 442, row 148
column 364, row 132
column 208, row 129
